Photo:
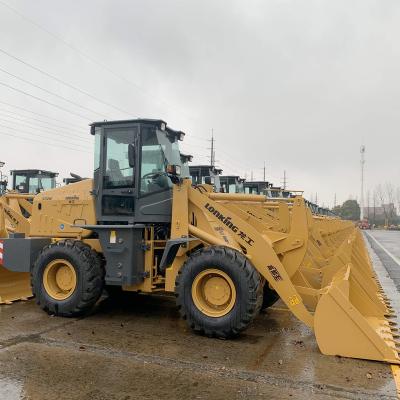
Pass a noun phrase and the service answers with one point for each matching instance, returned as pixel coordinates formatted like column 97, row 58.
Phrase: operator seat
column 114, row 171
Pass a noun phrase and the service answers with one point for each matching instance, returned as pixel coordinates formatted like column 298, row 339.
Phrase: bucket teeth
column 390, row 316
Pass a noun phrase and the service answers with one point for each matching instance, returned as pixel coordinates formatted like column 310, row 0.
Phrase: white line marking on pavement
column 394, row 258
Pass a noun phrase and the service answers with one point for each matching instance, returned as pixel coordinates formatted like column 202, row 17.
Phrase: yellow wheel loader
column 140, row 226
column 32, row 180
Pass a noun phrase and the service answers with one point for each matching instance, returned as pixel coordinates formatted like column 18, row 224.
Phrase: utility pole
column 334, row 201
column 264, row 171
column 284, row 180
column 316, row 198
column 252, row 176
column 374, row 206
column 212, row 157
column 362, row 153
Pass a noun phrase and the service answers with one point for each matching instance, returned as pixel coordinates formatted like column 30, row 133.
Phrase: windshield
column 170, row 148
column 158, row 151
column 47, row 183
column 240, row 187
column 217, row 183
column 40, row 184
column 34, row 184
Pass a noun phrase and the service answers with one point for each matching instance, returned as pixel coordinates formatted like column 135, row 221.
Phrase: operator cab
column 33, row 180
column 278, row 192
column 256, row 187
column 136, row 162
column 232, row 184
column 206, row 175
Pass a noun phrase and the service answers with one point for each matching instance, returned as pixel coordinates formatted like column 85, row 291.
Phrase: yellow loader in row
column 137, row 225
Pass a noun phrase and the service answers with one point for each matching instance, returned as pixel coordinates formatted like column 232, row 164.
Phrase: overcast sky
column 299, row 84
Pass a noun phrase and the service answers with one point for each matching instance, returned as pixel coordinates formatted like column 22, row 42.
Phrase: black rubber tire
column 270, row 297
column 249, row 294
column 90, row 278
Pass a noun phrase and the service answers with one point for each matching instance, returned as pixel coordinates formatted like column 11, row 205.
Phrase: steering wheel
column 153, row 175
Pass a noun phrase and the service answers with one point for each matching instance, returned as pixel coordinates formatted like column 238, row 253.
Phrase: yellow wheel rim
column 59, row 279
column 213, row 293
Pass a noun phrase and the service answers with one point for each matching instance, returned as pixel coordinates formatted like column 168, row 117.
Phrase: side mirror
column 131, row 155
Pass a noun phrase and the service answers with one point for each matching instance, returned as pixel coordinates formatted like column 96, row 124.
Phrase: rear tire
column 218, row 292
column 67, row 278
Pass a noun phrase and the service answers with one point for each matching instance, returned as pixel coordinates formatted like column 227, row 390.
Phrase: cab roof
column 129, row 121
column 161, row 124
column 33, row 172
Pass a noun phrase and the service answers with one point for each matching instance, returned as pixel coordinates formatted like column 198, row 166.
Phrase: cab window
column 153, row 163
column 21, row 183
column 118, row 173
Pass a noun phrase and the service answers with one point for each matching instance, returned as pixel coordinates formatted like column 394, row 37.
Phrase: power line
column 55, row 128
column 30, row 139
column 39, row 114
column 44, row 101
column 47, row 124
column 50, row 92
column 96, row 98
column 50, row 130
column 44, row 137
column 28, row 118
column 90, row 58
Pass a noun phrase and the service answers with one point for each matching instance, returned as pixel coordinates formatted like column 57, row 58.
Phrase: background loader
column 138, row 225
column 206, row 175
column 32, row 180
column 231, row 184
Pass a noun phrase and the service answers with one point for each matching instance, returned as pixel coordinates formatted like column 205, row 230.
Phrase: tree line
column 382, row 206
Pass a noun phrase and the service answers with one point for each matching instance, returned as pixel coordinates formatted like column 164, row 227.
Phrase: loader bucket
column 342, row 328
column 14, row 286
column 318, row 265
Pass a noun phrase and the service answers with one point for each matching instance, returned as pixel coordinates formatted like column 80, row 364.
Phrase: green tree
column 337, row 210
column 350, row 209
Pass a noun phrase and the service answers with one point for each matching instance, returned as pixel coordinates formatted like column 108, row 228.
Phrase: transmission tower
column 284, row 181
column 212, row 155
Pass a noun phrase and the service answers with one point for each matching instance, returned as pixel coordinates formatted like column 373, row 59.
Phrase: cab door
column 118, row 178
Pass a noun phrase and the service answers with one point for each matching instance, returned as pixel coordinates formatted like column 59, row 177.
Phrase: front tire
column 67, row 278
column 270, row 297
column 218, row 292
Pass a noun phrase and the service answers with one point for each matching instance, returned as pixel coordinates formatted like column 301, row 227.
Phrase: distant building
column 384, row 211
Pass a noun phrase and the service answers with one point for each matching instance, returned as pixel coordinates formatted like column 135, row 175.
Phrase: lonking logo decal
column 228, row 222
